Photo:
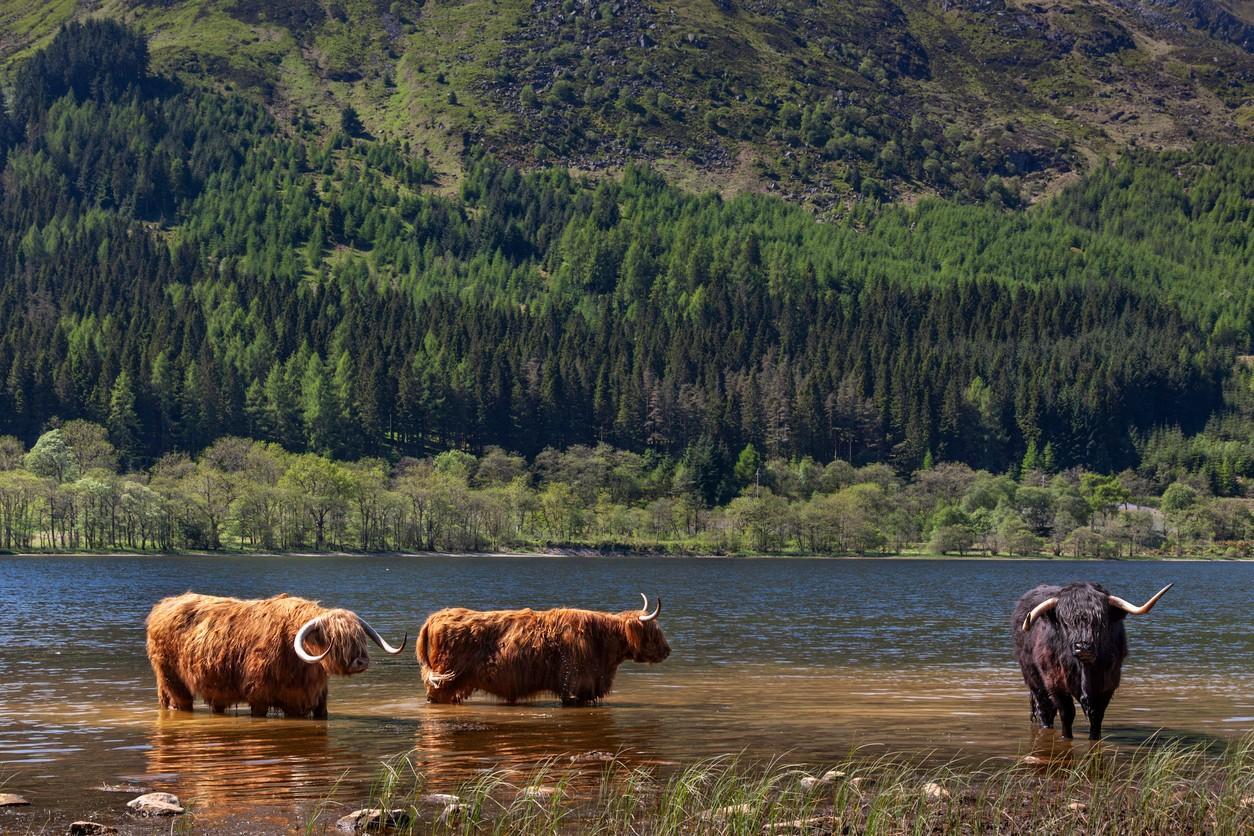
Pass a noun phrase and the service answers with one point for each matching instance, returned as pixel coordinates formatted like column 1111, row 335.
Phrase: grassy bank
column 1163, row 788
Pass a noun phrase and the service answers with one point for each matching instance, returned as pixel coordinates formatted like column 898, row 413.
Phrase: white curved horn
column 299, row 643
column 377, row 639
column 1039, row 610
column 1119, row 603
column 645, row 615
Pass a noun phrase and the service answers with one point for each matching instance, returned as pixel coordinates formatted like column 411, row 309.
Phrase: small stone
column 452, row 814
column 1077, row 806
column 8, row 799
column 89, row 828
column 935, row 791
column 804, row 825
column 809, row 782
column 127, row 788
column 592, row 757
column 1032, row 760
column 372, row 819
column 156, row 804
column 724, row 813
column 539, row 792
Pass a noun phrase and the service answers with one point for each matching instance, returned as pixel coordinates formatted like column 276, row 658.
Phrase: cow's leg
column 1066, row 710
column 320, row 709
column 1097, row 711
column 171, row 692
column 1043, row 709
column 258, row 709
column 218, row 708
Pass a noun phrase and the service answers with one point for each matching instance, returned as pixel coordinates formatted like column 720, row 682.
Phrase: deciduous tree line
column 66, row 493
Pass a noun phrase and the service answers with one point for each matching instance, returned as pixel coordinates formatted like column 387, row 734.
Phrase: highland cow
column 272, row 653
column 1071, row 644
column 516, row 654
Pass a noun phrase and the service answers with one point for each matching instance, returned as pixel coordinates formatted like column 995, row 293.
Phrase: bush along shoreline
column 1158, row 788
column 71, row 493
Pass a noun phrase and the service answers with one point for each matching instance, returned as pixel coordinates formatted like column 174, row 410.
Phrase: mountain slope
column 177, row 265
column 822, row 101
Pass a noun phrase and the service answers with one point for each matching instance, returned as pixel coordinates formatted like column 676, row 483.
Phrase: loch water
column 804, row 660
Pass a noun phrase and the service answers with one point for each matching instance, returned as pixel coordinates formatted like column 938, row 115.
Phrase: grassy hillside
column 822, row 101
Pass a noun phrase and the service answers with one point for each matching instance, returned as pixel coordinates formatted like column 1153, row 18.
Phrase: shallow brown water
column 805, row 660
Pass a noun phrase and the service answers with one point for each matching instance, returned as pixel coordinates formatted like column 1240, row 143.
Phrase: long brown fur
column 230, row 651
column 516, row 654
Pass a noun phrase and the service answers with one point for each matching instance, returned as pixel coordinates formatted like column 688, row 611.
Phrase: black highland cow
column 1071, row 644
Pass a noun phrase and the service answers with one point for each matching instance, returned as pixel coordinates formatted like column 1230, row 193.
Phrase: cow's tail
column 429, row 676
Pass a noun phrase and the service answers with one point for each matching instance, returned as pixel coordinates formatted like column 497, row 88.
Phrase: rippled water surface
column 807, row 659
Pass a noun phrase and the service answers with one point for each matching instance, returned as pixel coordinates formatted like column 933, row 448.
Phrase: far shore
column 632, row 553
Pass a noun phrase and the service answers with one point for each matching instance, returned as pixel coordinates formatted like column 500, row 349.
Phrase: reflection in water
column 220, row 760
column 814, row 661
column 454, row 743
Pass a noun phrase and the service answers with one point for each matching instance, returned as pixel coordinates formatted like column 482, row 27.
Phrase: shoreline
column 610, row 554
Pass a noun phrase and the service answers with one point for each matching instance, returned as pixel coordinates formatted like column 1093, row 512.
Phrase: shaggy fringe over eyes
column 1084, row 613
column 341, row 630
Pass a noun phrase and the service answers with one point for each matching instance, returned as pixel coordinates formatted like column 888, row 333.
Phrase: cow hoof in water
column 156, row 804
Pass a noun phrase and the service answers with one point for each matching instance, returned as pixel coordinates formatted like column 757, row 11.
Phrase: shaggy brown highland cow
column 270, row 653
column 515, row 654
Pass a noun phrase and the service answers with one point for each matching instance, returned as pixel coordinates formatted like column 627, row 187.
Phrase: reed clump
column 1158, row 788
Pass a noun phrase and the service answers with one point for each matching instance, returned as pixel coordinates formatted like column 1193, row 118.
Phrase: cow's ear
column 634, row 631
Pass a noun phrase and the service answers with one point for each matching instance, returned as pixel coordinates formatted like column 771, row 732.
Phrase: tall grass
column 1159, row 788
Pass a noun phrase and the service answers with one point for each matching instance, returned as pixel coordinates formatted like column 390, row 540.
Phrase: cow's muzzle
column 1084, row 651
